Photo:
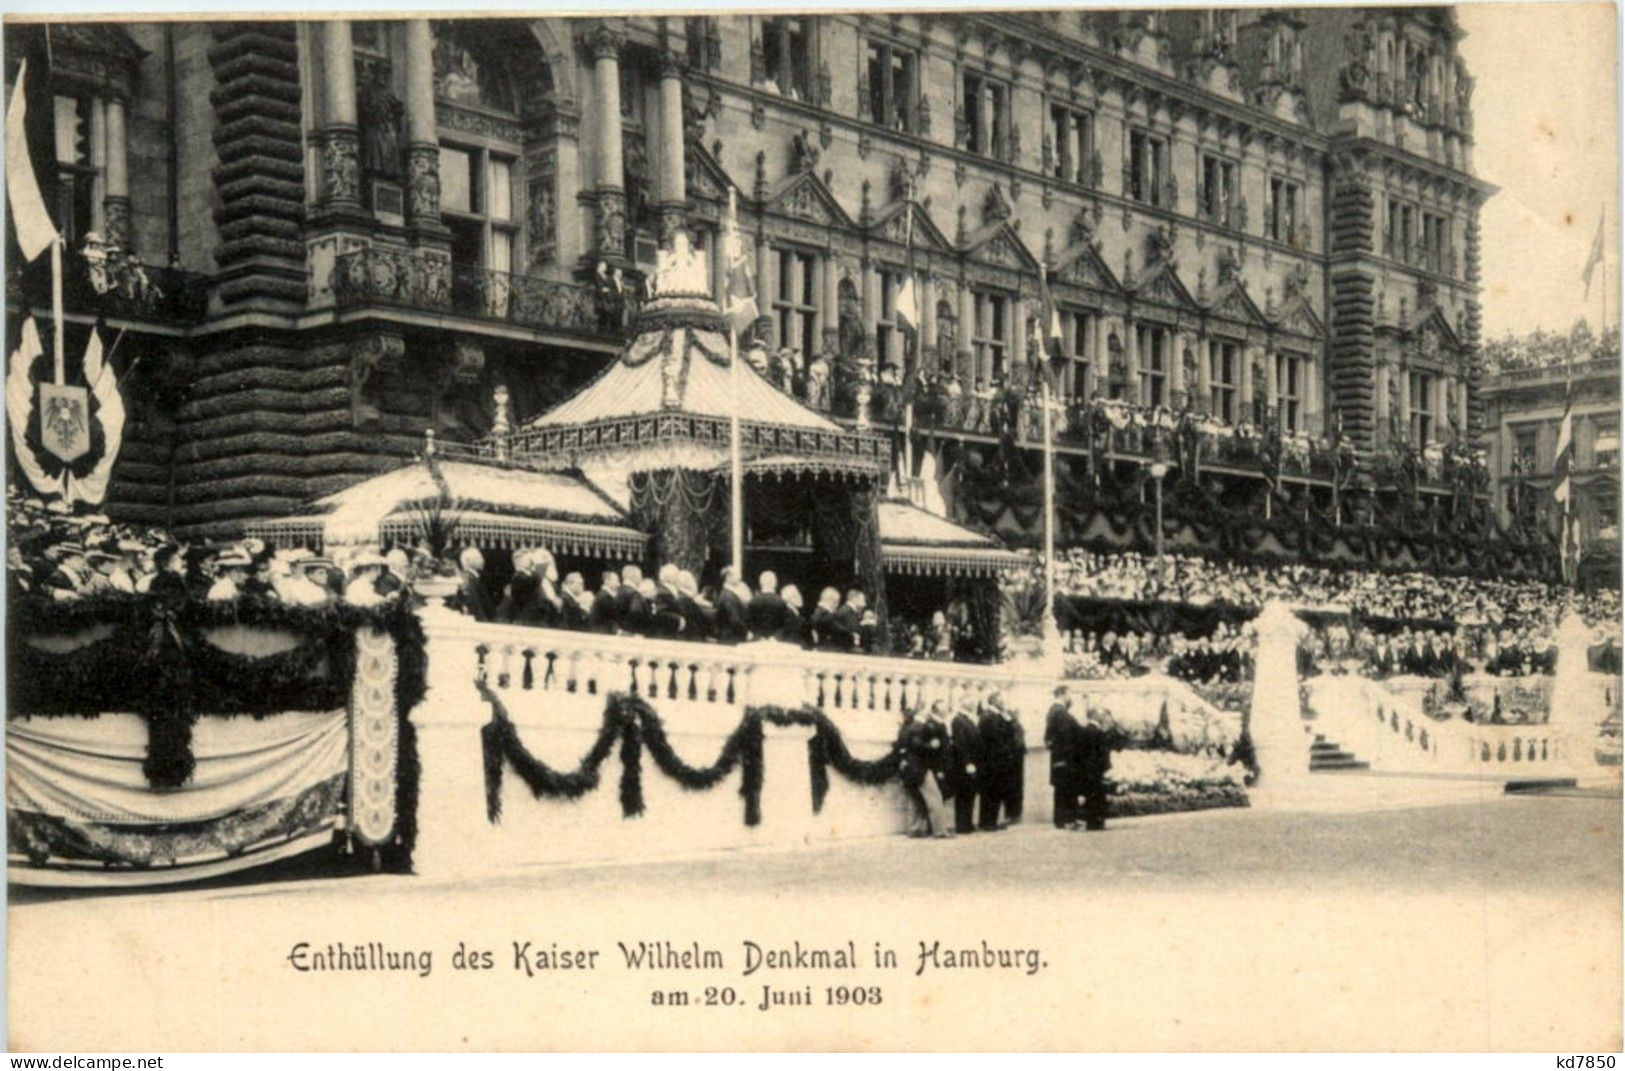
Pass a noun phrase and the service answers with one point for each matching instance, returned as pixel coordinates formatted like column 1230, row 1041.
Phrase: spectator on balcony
column 547, row 607
column 732, row 598
column 576, row 603
column 699, row 613
column 631, row 603
column 765, row 612
column 981, row 406
column 231, row 570
column 818, row 382
column 846, row 624
column 823, row 626
column 519, row 594
column 306, row 583
column 260, row 583
column 169, row 583
column 606, row 604
column 666, row 605
column 396, row 577
column 471, row 596
column 781, row 368
column 793, row 628
column 939, row 638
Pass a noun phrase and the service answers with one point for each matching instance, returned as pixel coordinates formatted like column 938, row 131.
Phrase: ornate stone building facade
column 1259, row 218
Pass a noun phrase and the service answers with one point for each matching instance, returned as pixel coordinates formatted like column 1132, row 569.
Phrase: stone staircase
column 1325, row 756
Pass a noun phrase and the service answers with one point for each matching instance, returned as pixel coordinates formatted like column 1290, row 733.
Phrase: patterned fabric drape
column 682, row 510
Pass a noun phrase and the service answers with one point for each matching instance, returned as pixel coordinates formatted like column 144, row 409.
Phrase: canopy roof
column 914, row 540
column 666, row 403
column 488, row 506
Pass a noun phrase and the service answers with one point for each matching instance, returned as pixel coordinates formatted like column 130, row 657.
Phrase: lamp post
column 1159, row 469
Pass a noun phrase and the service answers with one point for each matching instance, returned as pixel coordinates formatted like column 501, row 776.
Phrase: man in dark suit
column 1094, row 757
column 574, row 603
column 519, row 596
column 471, row 596
column 764, row 613
column 667, row 609
column 822, row 628
column 991, row 789
column 1060, row 737
column 1015, row 772
column 847, row 626
column 792, row 626
column 731, row 624
column 605, row 604
column 925, row 763
column 631, row 609
column 964, row 769
column 169, row 583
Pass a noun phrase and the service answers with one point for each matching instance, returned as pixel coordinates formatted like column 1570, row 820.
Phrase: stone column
column 1244, row 389
column 423, row 138
column 98, row 161
column 1204, row 375
column 1131, row 362
column 869, row 292
column 1176, row 370
column 1404, row 401
column 605, row 42
column 831, row 286
column 673, row 182
column 767, row 287
column 1272, row 389
column 1018, row 337
column 116, row 205
column 1097, row 355
column 967, row 332
column 927, row 345
column 341, row 160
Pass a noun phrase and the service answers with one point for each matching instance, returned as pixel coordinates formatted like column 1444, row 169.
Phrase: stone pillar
column 1204, row 375
column 1272, row 390
column 423, row 138
column 767, row 287
column 1019, row 357
column 1131, row 362
column 1176, row 369
column 341, row 160
column 116, row 206
column 1097, row 355
column 869, row 293
column 98, row 161
column 610, row 230
column 927, row 345
column 1404, row 401
column 1244, row 389
column 673, row 183
column 831, row 286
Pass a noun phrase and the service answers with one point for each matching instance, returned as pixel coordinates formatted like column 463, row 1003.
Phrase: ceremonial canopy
column 472, row 503
column 914, row 540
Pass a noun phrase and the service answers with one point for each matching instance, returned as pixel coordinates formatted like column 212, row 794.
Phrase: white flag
column 35, row 231
column 110, row 412
column 20, row 409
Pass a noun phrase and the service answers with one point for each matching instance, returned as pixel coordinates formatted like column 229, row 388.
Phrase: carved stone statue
column 1116, row 367
column 1395, row 417
column 804, row 152
column 1261, row 397
column 381, row 113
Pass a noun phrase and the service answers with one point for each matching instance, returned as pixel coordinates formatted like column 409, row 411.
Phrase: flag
column 1044, row 327
column 92, row 488
column 739, row 293
column 1595, row 257
column 908, row 305
column 29, row 217
column 1563, row 457
column 20, row 410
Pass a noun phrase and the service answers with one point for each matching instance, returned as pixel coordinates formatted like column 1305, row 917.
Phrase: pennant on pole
column 739, row 296
column 1593, row 259
column 29, row 217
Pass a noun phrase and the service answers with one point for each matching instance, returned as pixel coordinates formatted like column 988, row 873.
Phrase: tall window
column 75, row 173
column 889, row 340
column 1526, row 447
column 1289, row 376
column 1423, row 390
column 891, row 86
column 1285, row 196
column 1147, row 167
column 795, row 304
column 990, row 335
column 1078, row 347
column 1605, row 446
column 1223, row 365
column 1435, row 239
column 1400, row 236
column 476, row 201
column 698, row 41
column 987, row 115
column 787, row 56
column 1154, row 346
column 1216, row 192
column 1072, row 133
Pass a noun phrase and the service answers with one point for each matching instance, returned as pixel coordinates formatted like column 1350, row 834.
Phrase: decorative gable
column 707, row 180
column 1082, row 266
column 1298, row 317
column 1433, row 332
column 894, row 225
column 999, row 244
column 1233, row 303
column 805, row 197
column 1161, row 285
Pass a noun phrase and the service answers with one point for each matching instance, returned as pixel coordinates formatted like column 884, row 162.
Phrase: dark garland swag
column 155, row 659
column 636, row 725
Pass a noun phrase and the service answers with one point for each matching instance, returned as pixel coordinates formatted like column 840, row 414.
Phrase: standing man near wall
column 1060, row 737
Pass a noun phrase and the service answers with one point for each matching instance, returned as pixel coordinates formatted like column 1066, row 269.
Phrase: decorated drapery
column 684, row 510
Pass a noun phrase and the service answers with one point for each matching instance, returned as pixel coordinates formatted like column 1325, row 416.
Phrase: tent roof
column 490, row 505
column 914, row 540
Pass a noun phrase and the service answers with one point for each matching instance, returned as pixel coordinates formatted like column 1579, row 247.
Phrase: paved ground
column 1483, row 925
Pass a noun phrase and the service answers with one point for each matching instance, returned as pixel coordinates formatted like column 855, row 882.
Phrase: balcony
column 117, row 284
column 406, row 279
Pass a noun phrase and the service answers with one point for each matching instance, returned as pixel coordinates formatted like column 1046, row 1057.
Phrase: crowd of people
column 669, row 605
column 1421, row 652
column 975, row 761
column 1200, row 581
column 1225, row 656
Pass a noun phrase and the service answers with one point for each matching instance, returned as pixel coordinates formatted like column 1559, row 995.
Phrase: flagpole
column 909, row 373
column 58, row 363
column 1051, row 630
column 736, row 489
